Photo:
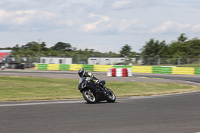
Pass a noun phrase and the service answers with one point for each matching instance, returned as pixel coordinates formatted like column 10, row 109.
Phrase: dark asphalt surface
column 179, row 113
column 160, row 114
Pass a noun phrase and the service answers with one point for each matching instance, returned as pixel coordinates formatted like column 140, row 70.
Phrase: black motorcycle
column 95, row 91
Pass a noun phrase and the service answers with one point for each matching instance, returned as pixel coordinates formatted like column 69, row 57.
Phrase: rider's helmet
column 81, row 72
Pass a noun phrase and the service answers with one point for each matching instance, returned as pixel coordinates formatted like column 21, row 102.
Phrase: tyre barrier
column 113, row 70
column 119, row 72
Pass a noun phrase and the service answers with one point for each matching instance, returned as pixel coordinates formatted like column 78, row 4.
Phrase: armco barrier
column 162, row 70
column 101, row 68
column 183, row 70
column 141, row 69
column 197, row 71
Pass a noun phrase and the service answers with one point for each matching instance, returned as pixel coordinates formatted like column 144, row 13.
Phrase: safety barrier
column 64, row 67
column 183, row 70
column 53, row 67
column 75, row 67
column 101, row 68
column 111, row 72
column 130, row 69
column 197, row 71
column 41, row 66
column 129, row 72
column 119, row 72
column 88, row 67
column 141, row 69
column 162, row 70
column 121, row 66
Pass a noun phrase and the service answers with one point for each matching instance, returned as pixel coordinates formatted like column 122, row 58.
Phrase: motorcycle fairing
column 83, row 84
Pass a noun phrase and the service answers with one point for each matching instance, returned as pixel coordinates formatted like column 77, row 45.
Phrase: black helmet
column 81, row 72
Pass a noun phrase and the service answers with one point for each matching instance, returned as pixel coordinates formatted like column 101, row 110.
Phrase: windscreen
column 81, row 79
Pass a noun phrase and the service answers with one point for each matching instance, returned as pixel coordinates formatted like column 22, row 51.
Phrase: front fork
column 104, row 90
column 101, row 90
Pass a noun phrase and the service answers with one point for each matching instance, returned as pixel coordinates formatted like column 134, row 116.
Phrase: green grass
column 14, row 88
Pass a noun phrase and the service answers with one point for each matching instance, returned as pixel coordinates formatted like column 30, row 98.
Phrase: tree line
column 60, row 49
column 183, row 47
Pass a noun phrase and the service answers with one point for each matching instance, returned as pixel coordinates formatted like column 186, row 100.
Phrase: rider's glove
column 97, row 81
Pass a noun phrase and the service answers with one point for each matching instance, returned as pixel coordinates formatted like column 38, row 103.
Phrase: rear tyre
column 110, row 96
column 89, row 96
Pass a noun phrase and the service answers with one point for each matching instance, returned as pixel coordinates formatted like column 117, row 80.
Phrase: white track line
column 192, row 82
column 39, row 103
column 82, row 100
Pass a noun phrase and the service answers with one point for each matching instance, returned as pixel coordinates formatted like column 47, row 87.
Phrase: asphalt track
column 178, row 113
column 187, row 78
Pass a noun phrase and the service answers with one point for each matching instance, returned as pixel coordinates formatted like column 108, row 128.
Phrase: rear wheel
column 89, row 96
column 110, row 96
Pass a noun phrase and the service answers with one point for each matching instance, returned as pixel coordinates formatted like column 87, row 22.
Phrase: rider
column 90, row 76
column 83, row 73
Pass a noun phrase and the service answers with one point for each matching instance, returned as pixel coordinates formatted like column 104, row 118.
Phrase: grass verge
column 14, row 88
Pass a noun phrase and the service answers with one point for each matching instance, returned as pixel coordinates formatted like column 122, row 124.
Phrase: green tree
column 154, row 48
column 193, row 48
column 182, row 38
column 34, row 46
column 182, row 47
column 126, row 50
column 62, row 46
column 16, row 47
column 153, row 51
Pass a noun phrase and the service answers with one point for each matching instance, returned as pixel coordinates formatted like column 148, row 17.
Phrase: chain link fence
column 19, row 62
column 29, row 62
column 187, row 62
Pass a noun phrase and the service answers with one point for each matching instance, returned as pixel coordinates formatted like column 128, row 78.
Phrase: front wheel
column 110, row 96
column 89, row 96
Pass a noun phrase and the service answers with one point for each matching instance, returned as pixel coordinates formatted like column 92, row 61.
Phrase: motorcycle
column 95, row 91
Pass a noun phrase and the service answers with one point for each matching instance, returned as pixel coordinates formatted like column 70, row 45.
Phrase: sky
column 102, row 25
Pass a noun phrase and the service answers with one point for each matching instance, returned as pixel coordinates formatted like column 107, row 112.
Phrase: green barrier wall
column 88, row 67
column 197, row 71
column 162, row 70
column 64, row 67
column 121, row 66
column 42, row 66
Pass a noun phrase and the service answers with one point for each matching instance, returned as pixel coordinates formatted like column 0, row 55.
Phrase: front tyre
column 89, row 96
column 110, row 96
